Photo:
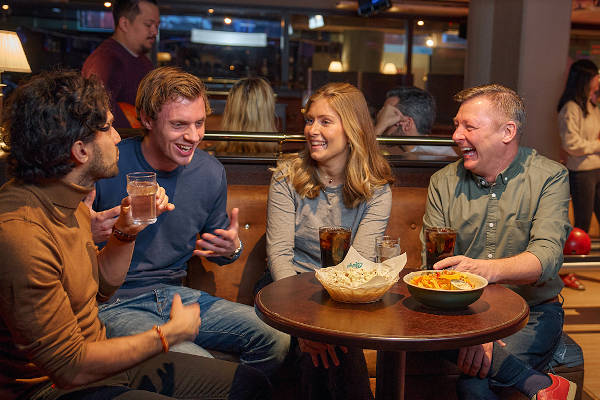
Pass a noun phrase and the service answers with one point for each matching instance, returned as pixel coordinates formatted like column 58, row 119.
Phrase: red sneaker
column 571, row 281
column 561, row 389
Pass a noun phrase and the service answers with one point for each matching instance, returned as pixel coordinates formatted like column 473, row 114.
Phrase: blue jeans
column 530, row 348
column 226, row 326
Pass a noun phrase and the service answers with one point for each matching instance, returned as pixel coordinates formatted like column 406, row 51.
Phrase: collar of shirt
column 515, row 167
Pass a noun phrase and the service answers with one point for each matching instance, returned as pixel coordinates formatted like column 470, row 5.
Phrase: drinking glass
column 334, row 242
column 386, row 247
column 440, row 243
column 142, row 187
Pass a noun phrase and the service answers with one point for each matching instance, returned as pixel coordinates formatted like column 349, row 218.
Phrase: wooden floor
column 582, row 323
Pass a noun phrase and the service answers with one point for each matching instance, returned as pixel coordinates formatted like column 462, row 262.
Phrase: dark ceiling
column 585, row 12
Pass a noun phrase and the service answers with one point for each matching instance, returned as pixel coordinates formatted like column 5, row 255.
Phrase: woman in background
column 250, row 107
column 341, row 179
column 579, row 125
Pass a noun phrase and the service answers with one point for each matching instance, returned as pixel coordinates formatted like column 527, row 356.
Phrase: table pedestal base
column 390, row 375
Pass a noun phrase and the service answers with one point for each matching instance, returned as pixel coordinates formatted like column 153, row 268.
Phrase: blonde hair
column 250, row 107
column 366, row 168
column 166, row 84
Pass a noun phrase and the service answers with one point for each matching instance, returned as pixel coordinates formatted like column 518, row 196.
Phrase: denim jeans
column 226, row 326
column 530, row 348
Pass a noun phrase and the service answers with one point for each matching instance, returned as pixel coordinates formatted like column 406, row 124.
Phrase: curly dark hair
column 44, row 117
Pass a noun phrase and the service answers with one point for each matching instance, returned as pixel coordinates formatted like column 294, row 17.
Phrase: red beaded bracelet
column 163, row 339
column 122, row 236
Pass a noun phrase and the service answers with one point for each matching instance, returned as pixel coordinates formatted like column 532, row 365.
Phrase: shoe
column 571, row 281
column 560, row 389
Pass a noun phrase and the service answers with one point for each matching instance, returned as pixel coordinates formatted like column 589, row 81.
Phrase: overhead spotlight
column 420, row 22
column 107, row 4
column 211, row 10
column 227, row 20
column 232, row 67
column 429, row 42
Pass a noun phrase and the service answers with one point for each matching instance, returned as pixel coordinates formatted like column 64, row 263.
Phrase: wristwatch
column 237, row 252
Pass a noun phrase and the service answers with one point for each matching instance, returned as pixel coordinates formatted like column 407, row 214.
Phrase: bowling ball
column 578, row 242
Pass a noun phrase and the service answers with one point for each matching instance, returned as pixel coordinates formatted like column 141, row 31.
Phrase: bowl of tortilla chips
column 445, row 289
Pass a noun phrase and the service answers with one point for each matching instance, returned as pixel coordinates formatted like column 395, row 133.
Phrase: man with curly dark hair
column 60, row 139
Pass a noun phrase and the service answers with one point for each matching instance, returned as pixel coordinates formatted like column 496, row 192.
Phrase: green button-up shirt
column 525, row 209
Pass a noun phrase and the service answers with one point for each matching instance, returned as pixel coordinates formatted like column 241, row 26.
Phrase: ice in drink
column 334, row 242
column 440, row 244
column 142, row 187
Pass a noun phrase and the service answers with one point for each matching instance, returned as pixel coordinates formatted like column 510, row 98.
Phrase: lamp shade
column 12, row 56
column 335, row 66
column 389, row 69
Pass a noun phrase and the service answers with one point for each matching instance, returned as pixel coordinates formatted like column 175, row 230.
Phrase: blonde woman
column 340, row 179
column 250, row 107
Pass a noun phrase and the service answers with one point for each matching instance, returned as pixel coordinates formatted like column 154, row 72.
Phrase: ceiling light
column 211, row 10
column 420, row 22
column 5, row 6
column 107, row 4
column 429, row 42
column 227, row 20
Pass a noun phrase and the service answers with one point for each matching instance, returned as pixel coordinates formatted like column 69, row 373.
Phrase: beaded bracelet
column 163, row 339
column 122, row 236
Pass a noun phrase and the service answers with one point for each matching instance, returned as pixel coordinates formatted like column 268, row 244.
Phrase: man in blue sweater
column 172, row 107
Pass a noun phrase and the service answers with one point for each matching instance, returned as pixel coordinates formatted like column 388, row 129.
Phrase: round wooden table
column 300, row 306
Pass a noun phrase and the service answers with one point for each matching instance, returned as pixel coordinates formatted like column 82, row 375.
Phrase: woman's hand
column 320, row 350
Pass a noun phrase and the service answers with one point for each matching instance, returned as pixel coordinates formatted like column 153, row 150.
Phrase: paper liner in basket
column 358, row 280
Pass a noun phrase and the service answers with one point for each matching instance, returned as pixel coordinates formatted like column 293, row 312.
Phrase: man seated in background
column 410, row 111
column 58, row 128
column 510, row 207
column 172, row 107
column 120, row 61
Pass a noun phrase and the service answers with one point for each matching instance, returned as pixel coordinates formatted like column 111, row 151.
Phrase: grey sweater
column 293, row 225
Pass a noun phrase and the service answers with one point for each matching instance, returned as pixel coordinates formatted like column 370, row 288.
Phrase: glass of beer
column 440, row 243
column 386, row 247
column 142, row 187
column 335, row 242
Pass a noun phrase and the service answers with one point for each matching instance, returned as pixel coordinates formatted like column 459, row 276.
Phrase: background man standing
column 120, row 61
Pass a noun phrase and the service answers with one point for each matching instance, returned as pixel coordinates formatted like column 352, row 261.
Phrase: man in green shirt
column 510, row 207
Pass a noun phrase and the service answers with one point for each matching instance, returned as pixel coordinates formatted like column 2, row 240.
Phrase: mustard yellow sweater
column 49, row 283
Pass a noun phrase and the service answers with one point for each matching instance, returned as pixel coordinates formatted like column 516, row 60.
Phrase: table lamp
column 12, row 56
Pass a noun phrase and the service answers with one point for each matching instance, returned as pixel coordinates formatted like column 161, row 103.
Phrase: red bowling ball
column 578, row 242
